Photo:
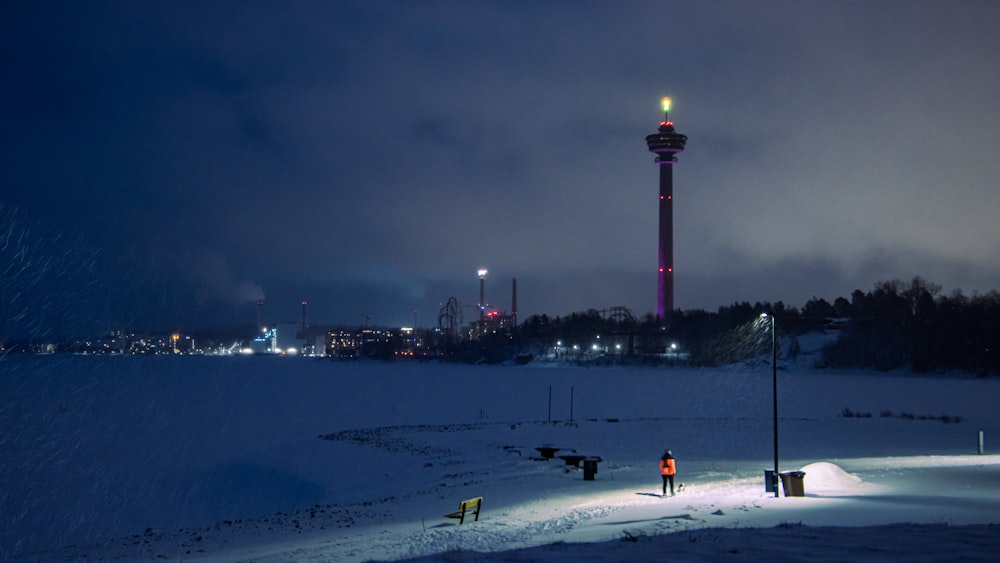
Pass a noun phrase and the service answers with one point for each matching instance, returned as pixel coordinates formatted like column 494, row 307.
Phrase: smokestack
column 513, row 304
column 304, row 325
column 260, row 312
column 482, row 296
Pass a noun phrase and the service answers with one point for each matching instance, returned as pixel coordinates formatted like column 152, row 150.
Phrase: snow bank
column 825, row 477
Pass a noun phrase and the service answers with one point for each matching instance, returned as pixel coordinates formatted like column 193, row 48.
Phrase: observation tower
column 666, row 143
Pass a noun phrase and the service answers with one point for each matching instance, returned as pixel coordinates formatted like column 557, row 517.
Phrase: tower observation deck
column 666, row 143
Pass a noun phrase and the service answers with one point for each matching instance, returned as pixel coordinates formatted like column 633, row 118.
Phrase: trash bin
column 590, row 468
column 770, row 481
column 792, row 481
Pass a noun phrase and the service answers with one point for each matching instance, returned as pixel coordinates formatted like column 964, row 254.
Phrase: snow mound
column 826, row 477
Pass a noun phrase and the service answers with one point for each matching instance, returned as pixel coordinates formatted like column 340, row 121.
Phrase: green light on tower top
column 666, row 105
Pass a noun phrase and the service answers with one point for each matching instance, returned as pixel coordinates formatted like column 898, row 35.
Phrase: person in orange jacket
column 668, row 468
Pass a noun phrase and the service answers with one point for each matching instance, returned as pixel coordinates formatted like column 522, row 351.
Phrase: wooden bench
column 471, row 505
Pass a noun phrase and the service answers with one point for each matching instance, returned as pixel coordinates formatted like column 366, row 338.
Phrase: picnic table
column 548, row 451
column 573, row 459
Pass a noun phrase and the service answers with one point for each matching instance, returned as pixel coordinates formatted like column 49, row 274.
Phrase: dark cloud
column 370, row 156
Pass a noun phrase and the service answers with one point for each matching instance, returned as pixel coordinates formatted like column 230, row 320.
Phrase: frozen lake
column 136, row 457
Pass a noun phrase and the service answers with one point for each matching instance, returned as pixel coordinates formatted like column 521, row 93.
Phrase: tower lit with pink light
column 666, row 143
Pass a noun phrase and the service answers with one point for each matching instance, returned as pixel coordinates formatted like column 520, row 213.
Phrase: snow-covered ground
column 298, row 459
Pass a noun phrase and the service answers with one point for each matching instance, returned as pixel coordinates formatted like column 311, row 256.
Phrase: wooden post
column 550, row 403
column 980, row 442
column 571, row 404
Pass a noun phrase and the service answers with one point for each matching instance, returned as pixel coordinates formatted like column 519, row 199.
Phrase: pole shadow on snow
column 919, row 500
column 684, row 516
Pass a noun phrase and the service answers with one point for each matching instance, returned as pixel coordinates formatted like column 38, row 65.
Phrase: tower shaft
column 665, row 261
column 666, row 143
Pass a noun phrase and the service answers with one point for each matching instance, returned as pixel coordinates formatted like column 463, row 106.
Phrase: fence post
column 980, row 442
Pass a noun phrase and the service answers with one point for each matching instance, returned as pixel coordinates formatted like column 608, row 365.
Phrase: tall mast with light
column 666, row 143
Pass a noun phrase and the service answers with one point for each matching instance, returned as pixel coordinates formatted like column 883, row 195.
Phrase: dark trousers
column 668, row 479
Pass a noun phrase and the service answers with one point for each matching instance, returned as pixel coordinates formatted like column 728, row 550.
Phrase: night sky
column 164, row 165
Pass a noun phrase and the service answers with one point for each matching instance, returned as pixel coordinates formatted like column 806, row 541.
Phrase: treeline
column 896, row 324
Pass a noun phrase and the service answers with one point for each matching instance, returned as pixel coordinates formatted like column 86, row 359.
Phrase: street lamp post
column 774, row 381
